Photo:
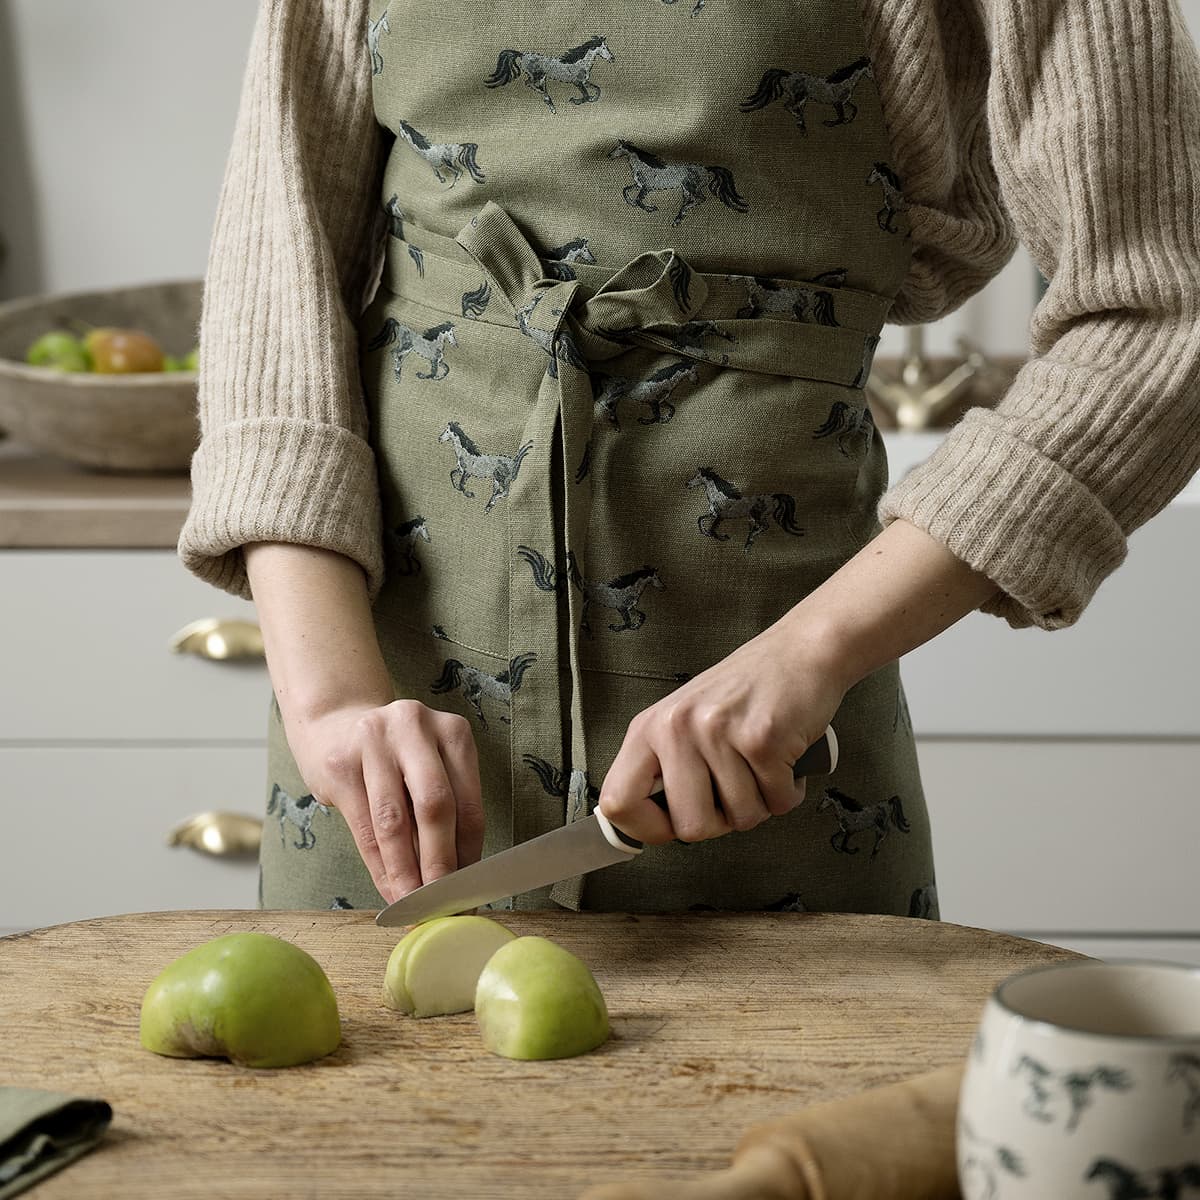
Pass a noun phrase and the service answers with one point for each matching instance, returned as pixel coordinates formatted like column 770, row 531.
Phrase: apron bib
column 640, row 255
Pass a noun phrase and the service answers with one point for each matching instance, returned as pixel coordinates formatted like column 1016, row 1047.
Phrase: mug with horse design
column 1084, row 1082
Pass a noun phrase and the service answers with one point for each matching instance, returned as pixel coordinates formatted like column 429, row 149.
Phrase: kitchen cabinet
column 108, row 738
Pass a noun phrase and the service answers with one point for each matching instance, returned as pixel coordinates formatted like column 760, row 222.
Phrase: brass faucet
column 914, row 399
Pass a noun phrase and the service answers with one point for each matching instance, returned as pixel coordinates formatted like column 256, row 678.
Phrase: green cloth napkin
column 42, row 1131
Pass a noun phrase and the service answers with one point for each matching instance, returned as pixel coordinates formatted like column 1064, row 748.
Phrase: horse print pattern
column 799, row 302
column 923, row 902
column 893, row 196
column 474, row 303
column 846, row 424
column 469, row 460
column 1075, row 1087
column 404, row 538
column 428, row 345
column 374, row 29
column 545, row 577
column 455, row 157
column 854, row 817
column 697, row 8
column 300, row 811
column 1127, row 1183
column 654, row 174
column 340, row 902
column 1186, row 1069
column 576, row 250
column 396, row 217
column 796, row 88
column 651, row 391
column 573, row 67
column 983, row 1161
column 621, row 594
column 726, row 503
column 556, row 345
column 573, row 786
column 476, row 684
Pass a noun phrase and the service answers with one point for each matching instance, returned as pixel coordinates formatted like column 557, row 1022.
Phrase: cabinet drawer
column 87, row 652
column 1079, row 836
column 85, row 831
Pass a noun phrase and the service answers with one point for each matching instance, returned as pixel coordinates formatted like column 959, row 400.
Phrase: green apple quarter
column 535, row 999
column 252, row 998
column 433, row 969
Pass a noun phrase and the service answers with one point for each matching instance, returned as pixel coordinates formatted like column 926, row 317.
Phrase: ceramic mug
column 1083, row 1083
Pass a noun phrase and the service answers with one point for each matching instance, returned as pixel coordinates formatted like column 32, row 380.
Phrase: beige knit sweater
column 1071, row 124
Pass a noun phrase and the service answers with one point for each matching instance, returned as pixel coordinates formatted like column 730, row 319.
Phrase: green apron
column 640, row 255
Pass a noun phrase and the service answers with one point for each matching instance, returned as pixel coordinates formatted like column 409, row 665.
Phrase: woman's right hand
column 406, row 779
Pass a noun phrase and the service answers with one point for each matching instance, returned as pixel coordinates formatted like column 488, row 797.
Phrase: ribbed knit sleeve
column 297, row 236
column 1094, row 115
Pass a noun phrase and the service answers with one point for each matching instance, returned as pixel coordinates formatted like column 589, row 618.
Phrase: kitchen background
column 1062, row 770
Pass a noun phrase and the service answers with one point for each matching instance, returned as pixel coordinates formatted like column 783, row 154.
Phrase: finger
column 433, row 805
column 461, row 760
column 625, row 793
column 390, row 816
column 350, row 799
column 688, row 784
column 736, row 788
column 780, row 790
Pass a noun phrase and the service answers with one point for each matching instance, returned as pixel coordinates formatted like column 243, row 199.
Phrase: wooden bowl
column 130, row 422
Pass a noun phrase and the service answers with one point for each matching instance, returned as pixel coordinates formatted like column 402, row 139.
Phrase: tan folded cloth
column 888, row 1143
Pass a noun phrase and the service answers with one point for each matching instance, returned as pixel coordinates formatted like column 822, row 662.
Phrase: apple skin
column 122, row 351
column 252, row 998
column 537, row 1000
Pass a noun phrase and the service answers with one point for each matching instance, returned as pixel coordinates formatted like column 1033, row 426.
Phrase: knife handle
column 821, row 758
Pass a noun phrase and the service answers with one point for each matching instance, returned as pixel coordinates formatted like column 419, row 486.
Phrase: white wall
column 115, row 120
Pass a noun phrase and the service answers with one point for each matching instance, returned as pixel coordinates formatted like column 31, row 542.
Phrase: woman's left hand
column 728, row 735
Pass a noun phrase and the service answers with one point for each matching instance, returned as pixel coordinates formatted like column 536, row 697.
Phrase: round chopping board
column 719, row 1021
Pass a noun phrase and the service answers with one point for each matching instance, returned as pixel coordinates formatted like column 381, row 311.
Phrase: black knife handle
column 819, row 759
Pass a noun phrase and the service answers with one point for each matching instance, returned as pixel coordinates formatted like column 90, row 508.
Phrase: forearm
column 901, row 589
column 322, row 650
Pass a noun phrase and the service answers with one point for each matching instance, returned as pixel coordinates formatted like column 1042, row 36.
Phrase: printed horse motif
column 621, row 594
column 846, row 423
column 374, row 28
column 853, row 817
column 1186, row 1067
column 696, row 8
column 404, row 537
column 574, row 786
column 893, row 197
column 556, row 345
column 1124, row 1183
column 576, row 250
column 797, row 88
column 1075, row 1085
column 651, row 391
column 573, row 67
column 470, row 461
column 300, row 811
column 451, row 155
column 801, row 303
column 923, row 902
column 408, row 341
column 726, row 503
column 476, row 684
column 653, row 174
column 474, row 303
column 982, row 1162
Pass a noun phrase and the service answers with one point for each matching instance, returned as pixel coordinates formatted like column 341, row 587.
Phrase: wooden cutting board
column 720, row 1020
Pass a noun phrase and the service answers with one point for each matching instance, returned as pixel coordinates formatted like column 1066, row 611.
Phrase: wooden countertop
column 719, row 1021
column 49, row 502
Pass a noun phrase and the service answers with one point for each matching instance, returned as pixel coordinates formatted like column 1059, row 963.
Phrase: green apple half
column 433, row 969
column 252, row 998
column 536, row 999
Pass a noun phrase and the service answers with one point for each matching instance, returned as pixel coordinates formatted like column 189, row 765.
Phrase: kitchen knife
column 580, row 846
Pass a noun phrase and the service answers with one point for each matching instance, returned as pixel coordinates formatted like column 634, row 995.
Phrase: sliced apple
column 535, row 999
column 434, row 968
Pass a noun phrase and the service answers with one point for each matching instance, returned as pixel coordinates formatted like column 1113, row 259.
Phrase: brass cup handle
column 219, row 639
column 221, row 834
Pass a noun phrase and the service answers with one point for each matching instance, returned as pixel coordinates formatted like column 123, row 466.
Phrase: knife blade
column 581, row 846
